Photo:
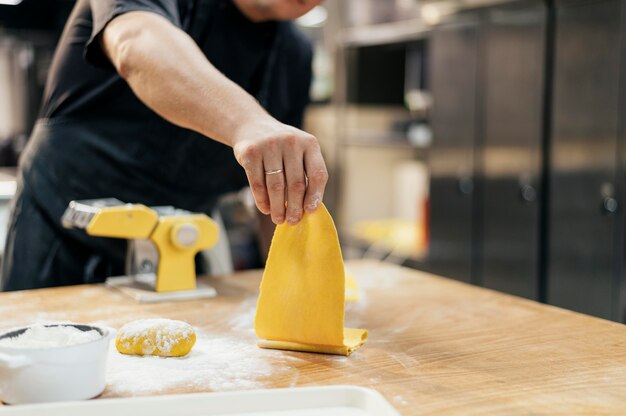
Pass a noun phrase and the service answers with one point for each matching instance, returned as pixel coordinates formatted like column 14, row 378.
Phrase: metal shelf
column 384, row 33
column 390, row 140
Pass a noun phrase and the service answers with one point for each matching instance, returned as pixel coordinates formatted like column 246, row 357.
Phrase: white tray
column 303, row 401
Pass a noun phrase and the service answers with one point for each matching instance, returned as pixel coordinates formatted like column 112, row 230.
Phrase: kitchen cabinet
column 528, row 177
column 586, row 230
column 453, row 49
column 512, row 84
column 487, row 71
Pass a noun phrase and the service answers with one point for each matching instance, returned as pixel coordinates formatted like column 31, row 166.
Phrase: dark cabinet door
column 620, row 186
column 583, row 222
column 512, row 84
column 453, row 70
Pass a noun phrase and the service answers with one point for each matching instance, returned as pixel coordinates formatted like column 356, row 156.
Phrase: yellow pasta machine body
column 163, row 241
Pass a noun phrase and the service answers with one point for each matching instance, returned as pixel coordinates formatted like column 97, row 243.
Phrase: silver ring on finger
column 273, row 171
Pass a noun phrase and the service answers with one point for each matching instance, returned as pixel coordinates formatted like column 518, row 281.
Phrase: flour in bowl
column 42, row 336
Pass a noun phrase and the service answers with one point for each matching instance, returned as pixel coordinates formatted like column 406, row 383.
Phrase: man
column 163, row 102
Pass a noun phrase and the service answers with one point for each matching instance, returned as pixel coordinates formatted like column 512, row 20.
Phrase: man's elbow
column 125, row 62
column 120, row 41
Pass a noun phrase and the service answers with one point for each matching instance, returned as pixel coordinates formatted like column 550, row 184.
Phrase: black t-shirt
column 96, row 139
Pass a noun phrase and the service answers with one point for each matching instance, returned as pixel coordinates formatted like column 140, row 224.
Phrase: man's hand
column 267, row 145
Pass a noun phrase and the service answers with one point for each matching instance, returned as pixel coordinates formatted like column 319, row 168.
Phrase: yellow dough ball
column 162, row 337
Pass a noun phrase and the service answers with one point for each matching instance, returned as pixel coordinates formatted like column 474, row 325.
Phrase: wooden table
column 436, row 346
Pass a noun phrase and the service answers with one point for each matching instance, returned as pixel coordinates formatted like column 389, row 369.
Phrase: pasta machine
column 163, row 243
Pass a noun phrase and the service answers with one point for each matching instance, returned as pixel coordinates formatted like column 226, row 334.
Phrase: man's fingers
column 318, row 177
column 296, row 184
column 259, row 191
column 275, row 183
column 284, row 166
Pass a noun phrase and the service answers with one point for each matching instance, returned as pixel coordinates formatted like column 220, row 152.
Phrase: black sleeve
column 103, row 11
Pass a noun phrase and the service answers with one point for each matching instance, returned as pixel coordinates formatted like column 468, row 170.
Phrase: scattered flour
column 243, row 322
column 398, row 399
column 376, row 279
column 41, row 336
column 216, row 363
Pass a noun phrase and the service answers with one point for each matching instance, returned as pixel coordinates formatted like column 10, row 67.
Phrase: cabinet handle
column 466, row 185
column 610, row 205
column 528, row 193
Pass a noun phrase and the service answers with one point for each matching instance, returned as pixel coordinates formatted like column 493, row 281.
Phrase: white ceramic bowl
column 35, row 375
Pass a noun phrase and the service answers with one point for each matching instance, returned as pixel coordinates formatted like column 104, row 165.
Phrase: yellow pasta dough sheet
column 302, row 296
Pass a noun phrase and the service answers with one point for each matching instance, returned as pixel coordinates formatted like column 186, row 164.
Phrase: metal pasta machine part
column 163, row 243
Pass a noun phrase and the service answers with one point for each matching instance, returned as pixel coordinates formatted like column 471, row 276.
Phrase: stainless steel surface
column 78, row 214
column 514, row 42
column 142, row 260
column 586, row 225
column 453, row 68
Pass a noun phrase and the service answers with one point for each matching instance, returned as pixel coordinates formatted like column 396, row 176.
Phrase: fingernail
column 280, row 220
column 292, row 220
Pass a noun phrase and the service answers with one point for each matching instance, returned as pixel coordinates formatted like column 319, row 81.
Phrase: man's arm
column 170, row 74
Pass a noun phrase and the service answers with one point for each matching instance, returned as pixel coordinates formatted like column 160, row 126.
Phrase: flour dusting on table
column 216, row 363
column 243, row 321
column 375, row 278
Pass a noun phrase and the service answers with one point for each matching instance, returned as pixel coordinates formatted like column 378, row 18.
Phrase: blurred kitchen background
column 482, row 140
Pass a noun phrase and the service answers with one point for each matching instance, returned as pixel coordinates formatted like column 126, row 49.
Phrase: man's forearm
column 171, row 75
